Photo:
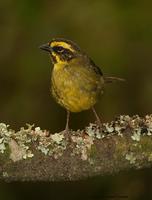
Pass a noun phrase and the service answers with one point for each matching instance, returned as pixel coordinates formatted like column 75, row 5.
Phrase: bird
column 76, row 81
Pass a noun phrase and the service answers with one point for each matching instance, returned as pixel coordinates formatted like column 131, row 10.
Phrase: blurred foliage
column 116, row 34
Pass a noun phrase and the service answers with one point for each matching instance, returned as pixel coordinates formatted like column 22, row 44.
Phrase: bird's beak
column 46, row 47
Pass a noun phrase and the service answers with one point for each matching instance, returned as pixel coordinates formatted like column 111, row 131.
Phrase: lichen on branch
column 35, row 154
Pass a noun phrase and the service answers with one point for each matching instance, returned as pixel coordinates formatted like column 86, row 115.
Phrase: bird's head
column 61, row 50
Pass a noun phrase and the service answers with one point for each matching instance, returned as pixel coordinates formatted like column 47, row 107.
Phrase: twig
column 35, row 155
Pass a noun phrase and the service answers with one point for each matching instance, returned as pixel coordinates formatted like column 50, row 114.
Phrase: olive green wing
column 87, row 75
column 107, row 79
column 95, row 67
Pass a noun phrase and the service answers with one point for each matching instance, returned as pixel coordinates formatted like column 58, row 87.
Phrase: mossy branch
column 35, row 155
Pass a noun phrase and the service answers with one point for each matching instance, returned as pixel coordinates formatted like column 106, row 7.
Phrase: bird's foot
column 99, row 123
column 67, row 134
column 98, row 120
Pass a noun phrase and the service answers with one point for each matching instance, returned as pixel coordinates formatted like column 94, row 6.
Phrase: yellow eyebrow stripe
column 63, row 44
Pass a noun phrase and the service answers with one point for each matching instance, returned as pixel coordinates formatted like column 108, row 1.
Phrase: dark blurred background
column 117, row 35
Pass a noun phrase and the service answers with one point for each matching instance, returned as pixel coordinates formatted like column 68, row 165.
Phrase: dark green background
column 117, row 35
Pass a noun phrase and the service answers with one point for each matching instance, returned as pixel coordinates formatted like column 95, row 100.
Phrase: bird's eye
column 58, row 49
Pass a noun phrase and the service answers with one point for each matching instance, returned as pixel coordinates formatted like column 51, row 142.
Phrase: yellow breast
column 75, row 87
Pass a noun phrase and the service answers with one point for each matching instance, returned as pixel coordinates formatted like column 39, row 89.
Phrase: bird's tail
column 111, row 79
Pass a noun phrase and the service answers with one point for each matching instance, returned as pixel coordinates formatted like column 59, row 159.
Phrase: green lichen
column 131, row 157
column 5, row 174
column 18, row 145
column 57, row 138
column 93, row 152
column 94, row 131
column 148, row 122
column 53, row 145
column 5, row 154
column 5, row 136
column 136, row 134
column 150, row 157
column 83, row 146
column 146, row 144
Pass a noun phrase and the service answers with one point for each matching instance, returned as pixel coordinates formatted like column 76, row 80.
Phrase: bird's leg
column 97, row 117
column 67, row 124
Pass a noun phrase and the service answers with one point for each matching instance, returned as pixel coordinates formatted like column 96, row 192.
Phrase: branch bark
column 32, row 154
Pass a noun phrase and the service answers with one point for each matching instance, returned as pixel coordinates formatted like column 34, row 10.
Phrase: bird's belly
column 73, row 94
column 74, row 99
